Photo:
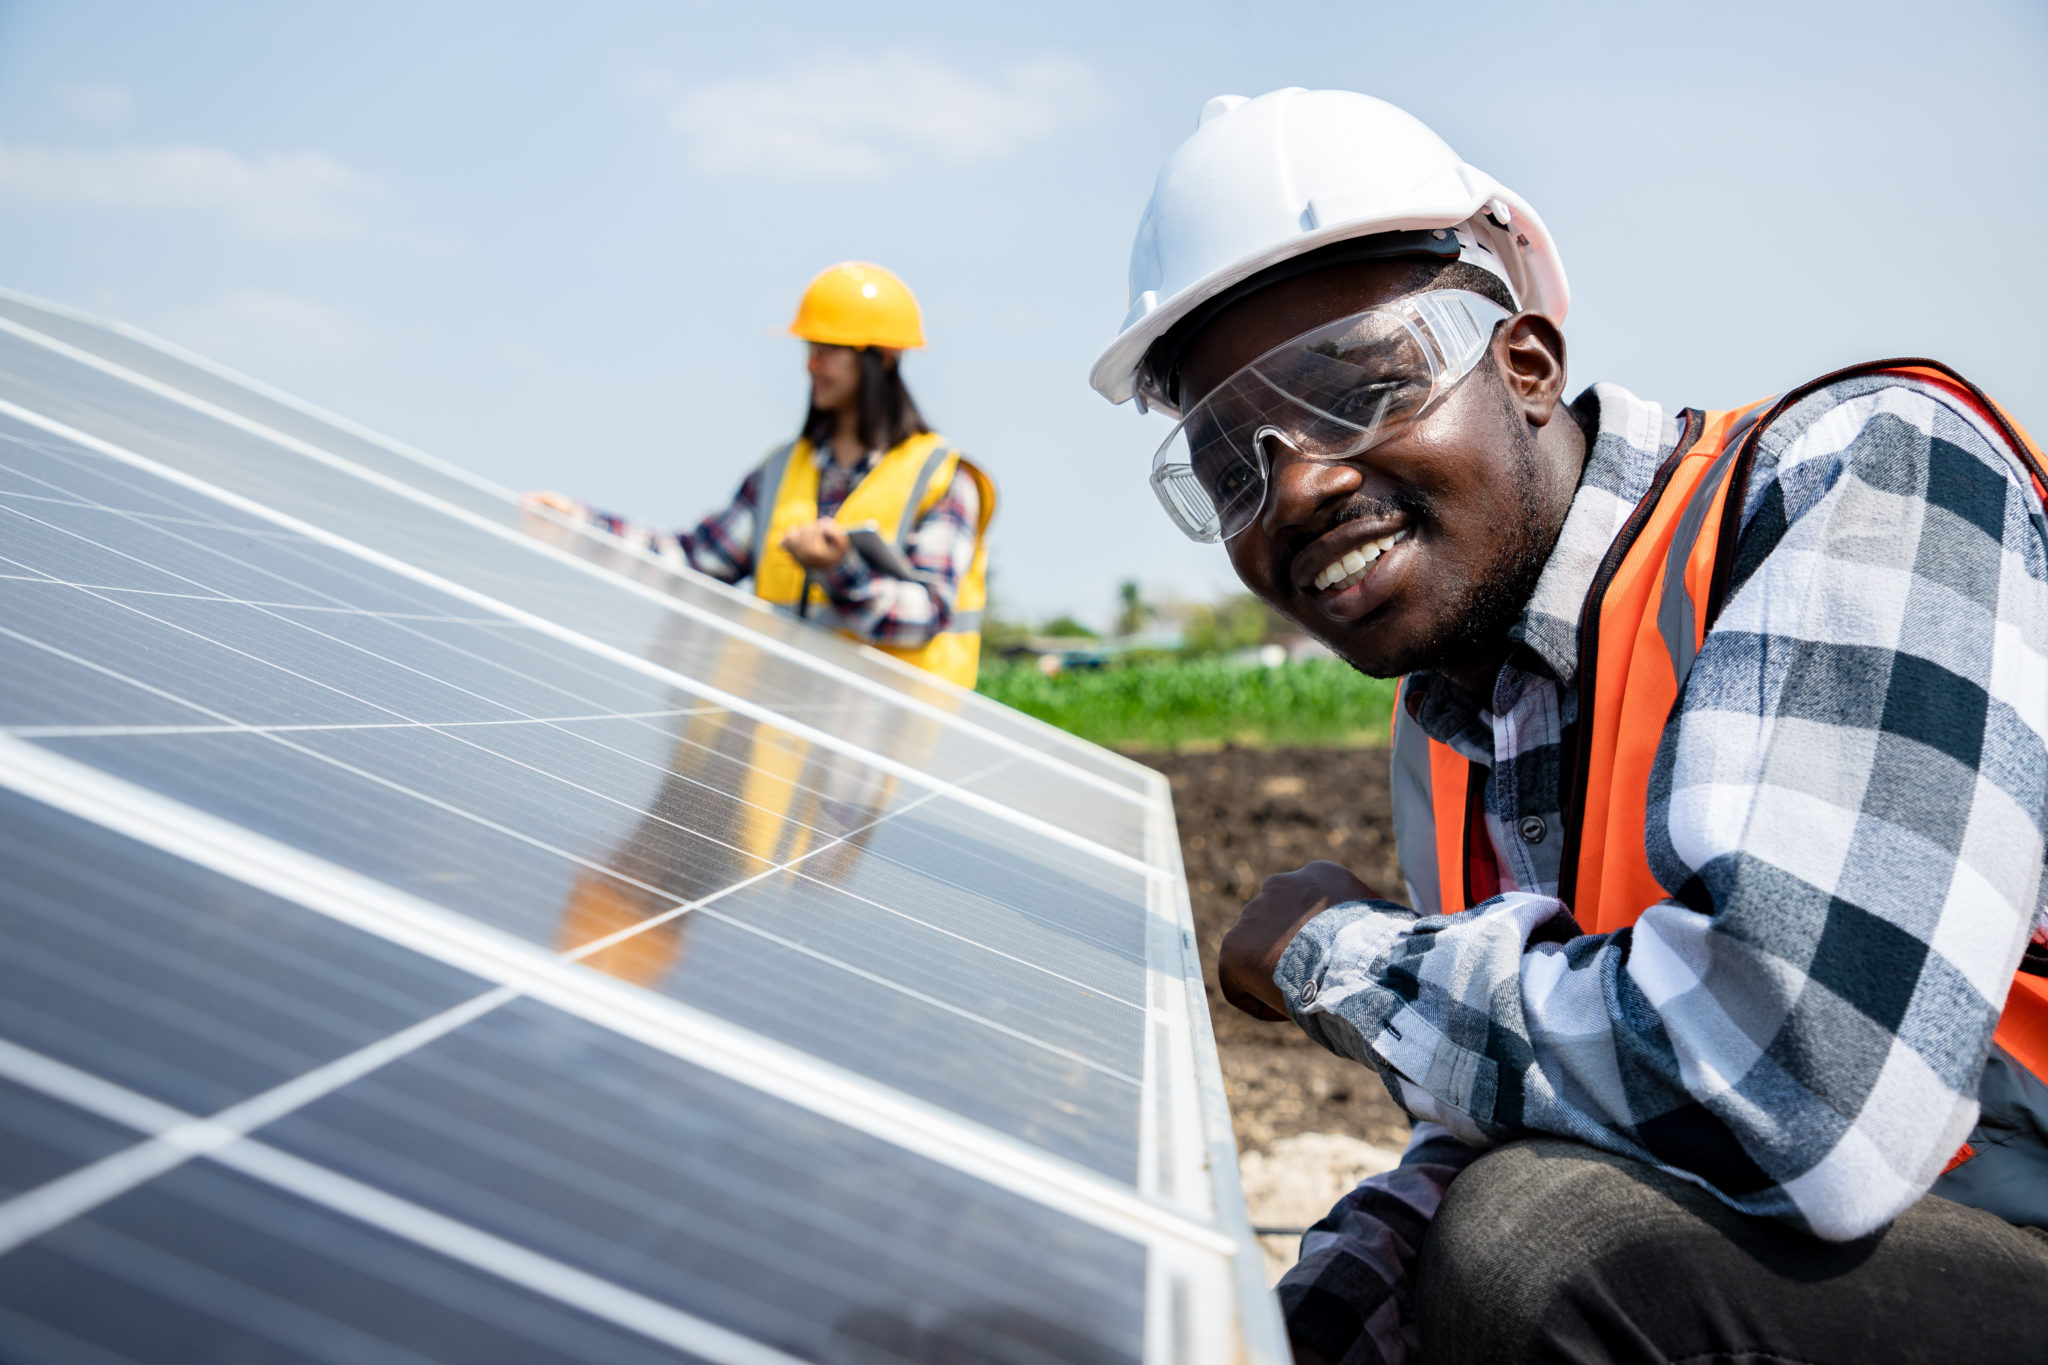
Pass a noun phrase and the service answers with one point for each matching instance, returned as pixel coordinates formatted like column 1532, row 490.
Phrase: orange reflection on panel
column 600, row 906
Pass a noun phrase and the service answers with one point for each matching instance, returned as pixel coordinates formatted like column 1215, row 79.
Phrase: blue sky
column 560, row 246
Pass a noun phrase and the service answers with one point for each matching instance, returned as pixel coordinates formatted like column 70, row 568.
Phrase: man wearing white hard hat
column 1720, row 996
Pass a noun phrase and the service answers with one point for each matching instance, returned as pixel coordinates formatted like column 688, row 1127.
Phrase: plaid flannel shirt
column 885, row 610
column 1851, row 798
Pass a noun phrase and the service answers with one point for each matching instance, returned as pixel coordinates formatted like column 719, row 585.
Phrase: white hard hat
column 1261, row 181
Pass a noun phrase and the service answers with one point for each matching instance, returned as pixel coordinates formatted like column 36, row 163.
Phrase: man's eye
column 1226, row 483
column 1372, row 400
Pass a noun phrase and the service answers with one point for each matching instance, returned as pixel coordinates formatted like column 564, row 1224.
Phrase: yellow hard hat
column 857, row 304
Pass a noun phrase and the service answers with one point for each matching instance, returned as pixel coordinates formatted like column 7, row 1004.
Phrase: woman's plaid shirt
column 1851, row 794
column 889, row 611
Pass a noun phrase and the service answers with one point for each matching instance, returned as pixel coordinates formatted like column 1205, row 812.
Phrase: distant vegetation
column 1181, row 675
column 1182, row 703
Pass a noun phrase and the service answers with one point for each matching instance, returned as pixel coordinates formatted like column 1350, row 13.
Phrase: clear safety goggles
column 1328, row 395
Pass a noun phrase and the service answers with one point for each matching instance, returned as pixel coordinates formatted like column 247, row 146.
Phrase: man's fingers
column 1250, row 953
column 1241, row 972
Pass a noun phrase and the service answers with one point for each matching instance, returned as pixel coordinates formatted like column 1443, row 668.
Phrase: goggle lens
column 1328, row 394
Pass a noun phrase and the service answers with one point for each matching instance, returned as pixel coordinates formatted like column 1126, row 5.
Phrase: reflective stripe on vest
column 894, row 496
column 1647, row 613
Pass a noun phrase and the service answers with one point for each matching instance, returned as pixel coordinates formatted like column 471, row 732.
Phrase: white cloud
column 260, row 328
column 296, row 196
column 100, row 103
column 841, row 117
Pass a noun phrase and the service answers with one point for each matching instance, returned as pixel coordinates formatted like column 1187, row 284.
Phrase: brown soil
column 1245, row 814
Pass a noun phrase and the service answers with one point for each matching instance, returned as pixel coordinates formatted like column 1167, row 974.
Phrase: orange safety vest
column 891, row 498
column 1646, row 616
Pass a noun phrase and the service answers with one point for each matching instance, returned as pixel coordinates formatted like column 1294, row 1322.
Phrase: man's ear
column 1529, row 352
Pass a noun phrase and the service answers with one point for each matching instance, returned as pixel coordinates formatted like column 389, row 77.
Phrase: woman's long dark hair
column 888, row 415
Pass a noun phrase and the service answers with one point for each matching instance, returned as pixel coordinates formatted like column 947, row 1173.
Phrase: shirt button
column 1533, row 829
column 1308, row 993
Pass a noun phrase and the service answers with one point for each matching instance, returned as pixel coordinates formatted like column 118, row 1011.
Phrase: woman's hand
column 1251, row 951
column 555, row 502
column 819, row 545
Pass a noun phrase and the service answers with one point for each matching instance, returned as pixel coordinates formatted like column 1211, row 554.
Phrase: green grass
column 1202, row 703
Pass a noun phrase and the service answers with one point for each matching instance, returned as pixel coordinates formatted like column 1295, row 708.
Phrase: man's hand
column 1252, row 949
column 819, row 545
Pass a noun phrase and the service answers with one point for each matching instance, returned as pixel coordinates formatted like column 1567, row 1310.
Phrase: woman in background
column 864, row 462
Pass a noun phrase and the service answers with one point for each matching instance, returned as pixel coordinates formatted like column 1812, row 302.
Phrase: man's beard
column 1475, row 629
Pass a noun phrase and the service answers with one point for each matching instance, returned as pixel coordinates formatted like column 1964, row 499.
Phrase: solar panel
column 434, row 932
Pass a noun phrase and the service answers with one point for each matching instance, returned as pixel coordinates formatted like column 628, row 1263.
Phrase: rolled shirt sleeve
column 721, row 546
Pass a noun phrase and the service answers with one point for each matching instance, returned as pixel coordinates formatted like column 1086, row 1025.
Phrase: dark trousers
column 1550, row 1251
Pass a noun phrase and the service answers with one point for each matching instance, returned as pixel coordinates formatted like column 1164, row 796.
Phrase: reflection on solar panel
column 430, row 932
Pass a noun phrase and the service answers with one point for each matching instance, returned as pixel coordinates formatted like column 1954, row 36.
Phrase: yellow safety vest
column 893, row 496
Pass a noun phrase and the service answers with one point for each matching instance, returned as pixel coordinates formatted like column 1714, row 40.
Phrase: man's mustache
column 1407, row 503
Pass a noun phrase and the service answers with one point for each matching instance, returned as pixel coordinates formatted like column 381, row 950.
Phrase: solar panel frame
column 1190, row 1212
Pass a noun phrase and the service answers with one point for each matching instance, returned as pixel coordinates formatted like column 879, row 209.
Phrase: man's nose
column 1297, row 485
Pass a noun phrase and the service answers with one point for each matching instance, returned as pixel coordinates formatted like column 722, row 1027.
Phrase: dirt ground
column 1309, row 1124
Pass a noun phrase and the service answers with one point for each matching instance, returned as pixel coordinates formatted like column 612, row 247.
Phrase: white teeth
column 1353, row 566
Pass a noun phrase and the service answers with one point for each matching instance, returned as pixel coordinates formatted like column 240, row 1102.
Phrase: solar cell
column 506, row 948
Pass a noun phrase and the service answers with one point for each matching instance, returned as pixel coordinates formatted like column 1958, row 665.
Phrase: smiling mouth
column 1354, row 566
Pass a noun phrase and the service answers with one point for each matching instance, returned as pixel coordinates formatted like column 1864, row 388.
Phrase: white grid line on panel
column 288, row 542
column 703, row 690
column 64, row 453
column 670, row 1025
column 782, row 940
column 634, row 930
column 10, row 495
column 948, row 933
column 241, row 728
column 899, row 987
column 767, row 643
column 258, row 603
column 36, row 1211
column 180, row 1137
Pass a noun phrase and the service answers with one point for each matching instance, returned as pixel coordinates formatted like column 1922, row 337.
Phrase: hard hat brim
column 824, row 336
column 1540, row 281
